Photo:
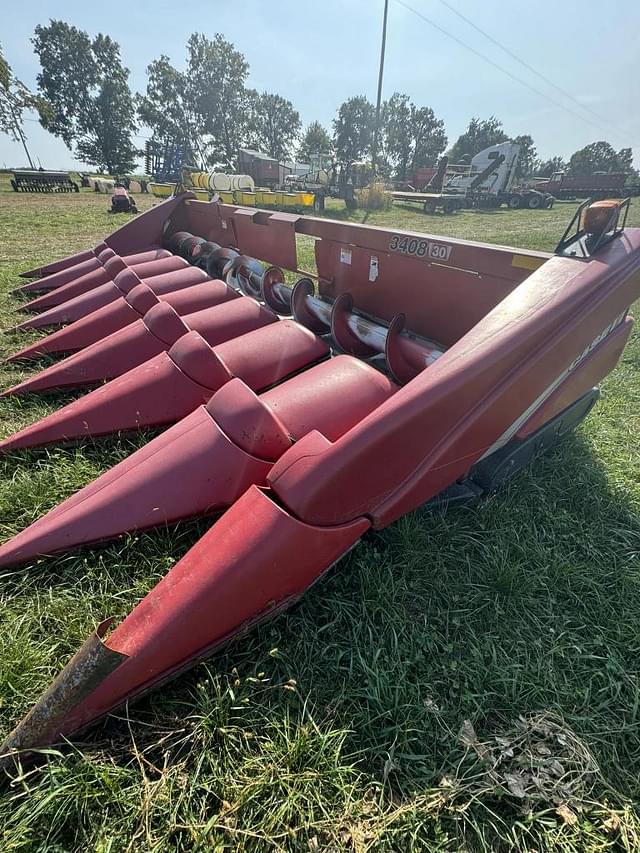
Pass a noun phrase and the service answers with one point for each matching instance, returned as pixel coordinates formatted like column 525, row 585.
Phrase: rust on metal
column 90, row 665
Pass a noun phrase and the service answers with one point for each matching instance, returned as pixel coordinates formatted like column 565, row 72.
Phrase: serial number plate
column 420, row 248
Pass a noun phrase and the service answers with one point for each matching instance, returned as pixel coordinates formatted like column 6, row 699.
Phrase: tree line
column 84, row 97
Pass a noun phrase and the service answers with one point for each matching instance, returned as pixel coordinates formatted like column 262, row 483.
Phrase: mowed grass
column 340, row 725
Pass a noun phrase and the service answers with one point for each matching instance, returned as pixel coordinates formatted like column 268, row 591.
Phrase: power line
column 528, row 66
column 496, row 65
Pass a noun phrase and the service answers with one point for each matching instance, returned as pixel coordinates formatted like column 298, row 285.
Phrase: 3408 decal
column 419, row 248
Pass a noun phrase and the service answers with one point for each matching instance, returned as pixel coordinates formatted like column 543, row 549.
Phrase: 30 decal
column 419, row 248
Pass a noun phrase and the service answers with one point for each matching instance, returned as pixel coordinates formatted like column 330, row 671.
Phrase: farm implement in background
column 235, row 189
column 40, row 181
column 411, row 369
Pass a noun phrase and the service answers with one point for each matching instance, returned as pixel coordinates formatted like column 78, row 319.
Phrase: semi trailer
column 599, row 185
column 488, row 182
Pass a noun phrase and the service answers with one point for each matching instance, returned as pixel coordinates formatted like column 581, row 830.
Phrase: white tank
column 242, row 182
column 219, row 181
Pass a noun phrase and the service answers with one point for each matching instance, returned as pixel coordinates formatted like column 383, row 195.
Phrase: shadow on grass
column 414, row 208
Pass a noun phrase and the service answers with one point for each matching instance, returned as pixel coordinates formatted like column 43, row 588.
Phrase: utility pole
column 20, row 132
column 376, row 129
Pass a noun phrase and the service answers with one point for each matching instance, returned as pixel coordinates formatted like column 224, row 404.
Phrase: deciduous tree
column 15, row 98
column 275, row 125
column 315, row 142
column 481, row 133
column 215, row 90
column 85, row 87
column 353, row 132
column 601, row 157
column 546, row 168
column 168, row 111
column 206, row 107
column 527, row 157
column 412, row 136
column 106, row 131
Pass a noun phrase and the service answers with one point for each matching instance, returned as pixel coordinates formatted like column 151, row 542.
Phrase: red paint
column 207, row 460
column 74, row 272
column 586, row 375
column 86, row 303
column 238, row 573
column 62, row 264
column 122, row 312
column 172, row 384
column 134, row 344
column 109, row 272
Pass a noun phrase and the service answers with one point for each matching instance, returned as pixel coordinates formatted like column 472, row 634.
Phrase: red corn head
column 105, row 275
column 65, row 263
column 51, row 282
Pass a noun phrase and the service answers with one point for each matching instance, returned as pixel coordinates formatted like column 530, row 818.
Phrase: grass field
column 464, row 681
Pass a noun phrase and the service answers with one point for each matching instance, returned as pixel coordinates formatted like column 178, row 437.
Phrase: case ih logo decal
column 419, row 248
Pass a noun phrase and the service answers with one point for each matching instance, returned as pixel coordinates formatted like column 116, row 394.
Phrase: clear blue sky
column 318, row 54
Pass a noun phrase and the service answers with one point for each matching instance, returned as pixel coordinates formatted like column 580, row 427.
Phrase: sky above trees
column 317, row 60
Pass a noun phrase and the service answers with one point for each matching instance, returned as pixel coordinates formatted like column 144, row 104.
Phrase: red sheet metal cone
column 59, row 279
column 174, row 383
column 52, row 282
column 72, row 309
column 255, row 560
column 96, row 326
column 160, row 328
column 123, row 311
column 87, row 303
column 154, row 393
column 191, row 469
column 70, row 273
column 208, row 459
column 63, row 263
column 104, row 274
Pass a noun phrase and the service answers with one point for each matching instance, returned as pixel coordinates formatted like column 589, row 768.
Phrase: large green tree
column 206, row 107
column 106, row 131
column 412, row 136
column 353, row 132
column 601, row 157
column 88, row 101
column 275, row 125
column 315, row 142
column 481, row 133
column 168, row 111
column 216, row 76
